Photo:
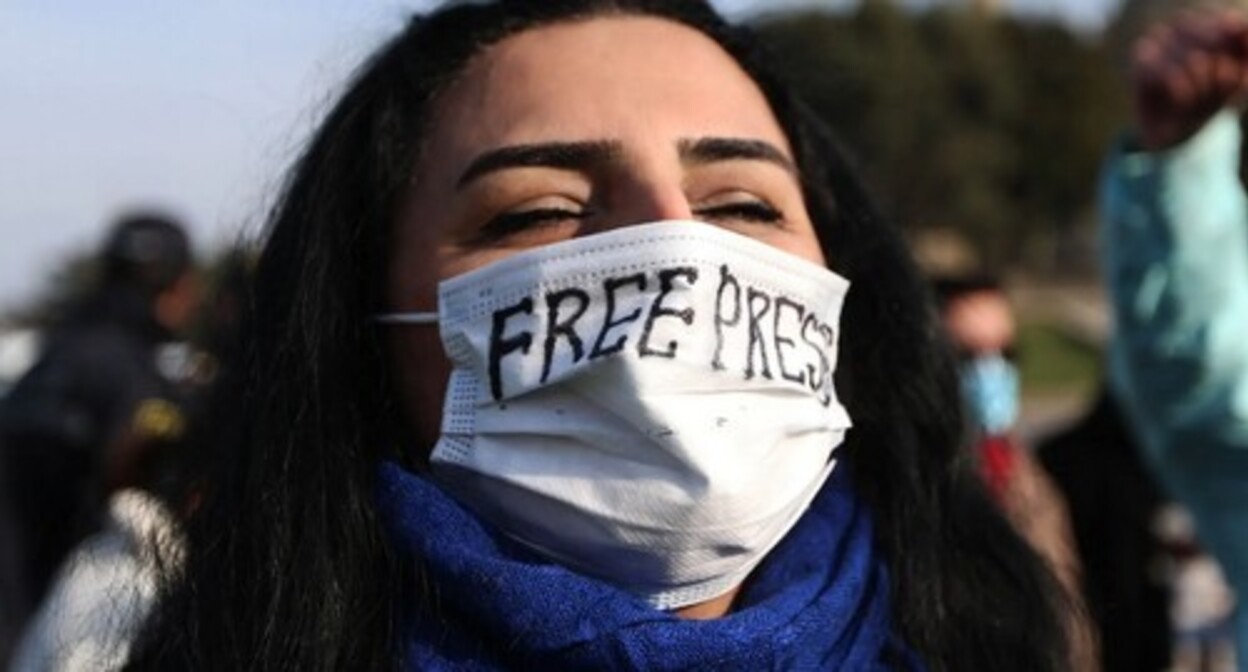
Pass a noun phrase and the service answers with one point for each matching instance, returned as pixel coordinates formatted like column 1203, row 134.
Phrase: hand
column 1185, row 71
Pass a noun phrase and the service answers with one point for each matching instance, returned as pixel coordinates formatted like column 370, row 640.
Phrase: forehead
column 622, row 77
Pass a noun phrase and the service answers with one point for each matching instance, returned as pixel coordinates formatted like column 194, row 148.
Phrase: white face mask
column 652, row 406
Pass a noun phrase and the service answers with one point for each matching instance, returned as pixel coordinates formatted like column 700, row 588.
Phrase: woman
column 495, row 163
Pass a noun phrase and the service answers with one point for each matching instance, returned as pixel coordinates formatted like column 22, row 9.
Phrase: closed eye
column 509, row 224
column 757, row 212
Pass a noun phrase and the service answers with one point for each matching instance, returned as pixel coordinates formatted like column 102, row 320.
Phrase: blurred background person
column 1176, row 260
column 980, row 324
column 96, row 413
column 103, row 592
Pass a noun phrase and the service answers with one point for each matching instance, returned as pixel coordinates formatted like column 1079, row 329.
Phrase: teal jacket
column 1175, row 253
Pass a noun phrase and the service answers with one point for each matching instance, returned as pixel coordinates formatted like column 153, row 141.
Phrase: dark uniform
column 93, row 412
column 1113, row 502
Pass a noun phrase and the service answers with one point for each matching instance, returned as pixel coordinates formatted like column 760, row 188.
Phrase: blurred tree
column 222, row 274
column 963, row 119
column 66, row 284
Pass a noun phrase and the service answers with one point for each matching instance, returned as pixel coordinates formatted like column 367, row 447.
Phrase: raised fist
column 1183, row 71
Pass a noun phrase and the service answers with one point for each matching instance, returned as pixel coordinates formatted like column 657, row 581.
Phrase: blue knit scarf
column 819, row 602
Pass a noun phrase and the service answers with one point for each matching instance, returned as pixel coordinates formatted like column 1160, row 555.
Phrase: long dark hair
column 288, row 567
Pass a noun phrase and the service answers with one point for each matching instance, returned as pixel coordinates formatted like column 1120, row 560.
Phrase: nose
column 643, row 196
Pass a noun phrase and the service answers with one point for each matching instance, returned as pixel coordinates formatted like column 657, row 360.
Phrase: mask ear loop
column 406, row 318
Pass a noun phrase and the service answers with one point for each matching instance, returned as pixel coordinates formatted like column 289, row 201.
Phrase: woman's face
column 574, row 129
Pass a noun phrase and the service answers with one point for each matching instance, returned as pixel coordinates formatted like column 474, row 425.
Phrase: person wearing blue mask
column 980, row 326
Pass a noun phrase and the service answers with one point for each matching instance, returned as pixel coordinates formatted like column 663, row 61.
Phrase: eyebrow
column 584, row 155
column 712, row 150
column 559, row 155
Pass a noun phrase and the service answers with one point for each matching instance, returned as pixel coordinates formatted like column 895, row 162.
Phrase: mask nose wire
column 406, row 318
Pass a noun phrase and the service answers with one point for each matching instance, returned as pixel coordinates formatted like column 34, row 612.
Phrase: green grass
column 1052, row 360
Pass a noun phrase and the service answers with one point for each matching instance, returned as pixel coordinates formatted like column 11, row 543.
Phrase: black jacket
column 94, row 397
column 1113, row 500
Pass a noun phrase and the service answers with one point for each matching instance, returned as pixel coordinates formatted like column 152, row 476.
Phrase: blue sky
column 195, row 107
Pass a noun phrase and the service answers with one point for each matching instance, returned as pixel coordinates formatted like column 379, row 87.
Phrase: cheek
column 799, row 237
column 416, row 352
column 412, row 282
column 800, row 241
column 806, row 247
